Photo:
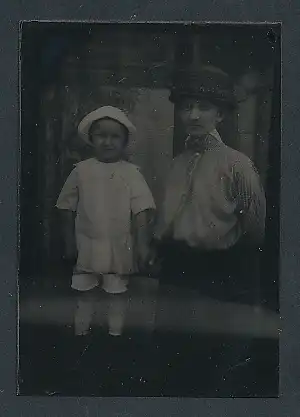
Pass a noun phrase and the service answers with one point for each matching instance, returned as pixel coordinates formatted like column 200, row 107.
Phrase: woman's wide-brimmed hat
column 105, row 112
column 208, row 83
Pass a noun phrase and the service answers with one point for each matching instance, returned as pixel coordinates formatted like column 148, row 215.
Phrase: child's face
column 109, row 139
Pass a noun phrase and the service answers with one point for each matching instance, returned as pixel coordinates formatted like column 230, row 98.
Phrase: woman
column 213, row 217
column 208, row 237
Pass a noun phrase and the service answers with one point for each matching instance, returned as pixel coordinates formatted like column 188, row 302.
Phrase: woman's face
column 109, row 139
column 199, row 116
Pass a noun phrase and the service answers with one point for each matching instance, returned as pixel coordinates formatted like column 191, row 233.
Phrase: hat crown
column 109, row 110
column 101, row 113
column 209, row 82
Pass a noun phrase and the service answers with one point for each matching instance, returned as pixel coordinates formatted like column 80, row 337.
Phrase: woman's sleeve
column 141, row 196
column 250, row 198
column 68, row 198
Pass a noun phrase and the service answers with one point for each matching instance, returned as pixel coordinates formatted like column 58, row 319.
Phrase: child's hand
column 149, row 263
column 154, row 264
column 144, row 255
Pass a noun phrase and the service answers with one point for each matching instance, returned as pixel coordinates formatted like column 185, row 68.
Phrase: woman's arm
column 251, row 202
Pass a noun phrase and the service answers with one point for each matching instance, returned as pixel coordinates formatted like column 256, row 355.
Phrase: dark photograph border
column 288, row 403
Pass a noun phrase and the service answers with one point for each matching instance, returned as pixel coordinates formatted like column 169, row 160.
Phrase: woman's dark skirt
column 228, row 275
column 203, row 364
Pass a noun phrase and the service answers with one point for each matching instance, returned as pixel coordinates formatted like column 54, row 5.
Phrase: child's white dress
column 104, row 197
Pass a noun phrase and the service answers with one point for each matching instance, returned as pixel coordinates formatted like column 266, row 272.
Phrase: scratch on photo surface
column 242, row 363
column 81, row 354
column 133, row 16
column 51, row 393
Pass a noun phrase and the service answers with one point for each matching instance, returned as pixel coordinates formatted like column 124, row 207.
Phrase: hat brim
column 224, row 102
column 100, row 114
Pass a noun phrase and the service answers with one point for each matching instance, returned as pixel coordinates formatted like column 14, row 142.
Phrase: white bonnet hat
column 102, row 113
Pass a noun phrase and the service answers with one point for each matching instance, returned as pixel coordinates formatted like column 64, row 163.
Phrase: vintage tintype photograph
column 149, row 209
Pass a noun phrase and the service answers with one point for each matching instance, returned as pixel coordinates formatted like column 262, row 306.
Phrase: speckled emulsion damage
column 149, row 209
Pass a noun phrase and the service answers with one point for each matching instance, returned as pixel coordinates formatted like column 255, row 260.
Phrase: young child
column 99, row 202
